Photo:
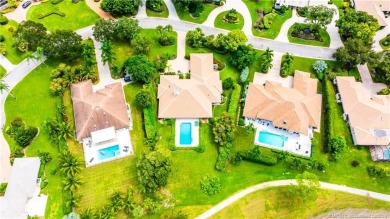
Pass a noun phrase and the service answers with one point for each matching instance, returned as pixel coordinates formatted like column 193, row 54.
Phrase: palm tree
column 30, row 57
column 5, row 87
column 63, row 130
column 39, row 54
column 129, row 203
column 73, row 201
column 269, row 53
column 107, row 51
column 87, row 214
column 69, row 164
column 288, row 58
column 117, row 202
column 105, row 213
column 45, row 158
column 71, row 183
column 88, row 55
column 88, row 74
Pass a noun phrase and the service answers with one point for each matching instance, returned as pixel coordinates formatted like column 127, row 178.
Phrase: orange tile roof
column 294, row 109
column 95, row 111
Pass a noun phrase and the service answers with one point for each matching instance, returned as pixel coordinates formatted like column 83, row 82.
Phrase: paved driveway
column 20, row 13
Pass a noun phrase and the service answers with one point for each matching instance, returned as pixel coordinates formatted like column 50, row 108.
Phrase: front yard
column 13, row 54
column 186, row 16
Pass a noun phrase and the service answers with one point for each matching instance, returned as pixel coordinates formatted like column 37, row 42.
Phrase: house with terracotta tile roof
column 194, row 97
column 376, row 8
column 296, row 109
column 368, row 116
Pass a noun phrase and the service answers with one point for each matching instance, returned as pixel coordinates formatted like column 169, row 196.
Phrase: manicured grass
column 387, row 40
column 123, row 50
column 35, row 104
column 77, row 16
column 185, row 15
column 164, row 14
column 3, row 72
column 323, row 34
column 254, row 204
column 266, row 5
column 13, row 54
column 220, row 23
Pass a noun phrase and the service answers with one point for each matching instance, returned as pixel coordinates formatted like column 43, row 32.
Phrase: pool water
column 109, row 152
column 386, row 154
column 185, row 133
column 271, row 139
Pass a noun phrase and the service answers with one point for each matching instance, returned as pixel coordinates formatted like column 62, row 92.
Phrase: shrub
column 241, row 122
column 211, row 120
column 3, row 187
column 201, row 148
column 3, row 19
column 54, row 2
column 254, row 155
column 2, row 38
column 320, row 67
column 337, row 145
column 371, row 171
column 244, row 74
column 227, row 83
column 143, row 98
column 210, row 185
column 322, row 166
column 41, row 16
column 296, row 163
column 25, row 136
column 223, row 157
column 234, row 100
column 150, row 123
column 355, row 163
column 237, row 159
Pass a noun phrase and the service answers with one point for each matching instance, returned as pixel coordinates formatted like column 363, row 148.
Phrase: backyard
column 254, row 205
column 13, row 54
column 77, row 15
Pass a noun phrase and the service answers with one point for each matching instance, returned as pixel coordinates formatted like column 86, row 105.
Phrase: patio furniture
column 91, row 160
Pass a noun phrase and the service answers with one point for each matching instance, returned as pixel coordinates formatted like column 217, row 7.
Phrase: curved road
column 235, row 197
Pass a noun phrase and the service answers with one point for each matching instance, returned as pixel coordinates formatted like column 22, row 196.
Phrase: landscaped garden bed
column 303, row 34
column 229, row 20
column 156, row 9
column 385, row 42
column 202, row 17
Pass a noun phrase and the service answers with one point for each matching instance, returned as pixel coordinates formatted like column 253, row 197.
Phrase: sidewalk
column 6, row 63
column 368, row 84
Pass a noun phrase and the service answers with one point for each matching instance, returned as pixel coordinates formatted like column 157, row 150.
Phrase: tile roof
column 294, row 108
column 190, row 98
column 374, row 8
column 369, row 117
column 102, row 109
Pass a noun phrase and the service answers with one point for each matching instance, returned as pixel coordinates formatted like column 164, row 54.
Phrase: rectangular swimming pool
column 271, row 139
column 185, row 133
column 108, row 152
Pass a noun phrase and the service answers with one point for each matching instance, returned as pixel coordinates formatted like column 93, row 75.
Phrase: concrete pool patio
column 296, row 143
column 194, row 132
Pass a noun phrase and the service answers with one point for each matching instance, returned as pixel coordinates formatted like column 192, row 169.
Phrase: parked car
column 127, row 78
column 26, row 4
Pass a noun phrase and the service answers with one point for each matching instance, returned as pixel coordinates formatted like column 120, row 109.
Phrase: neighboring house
column 296, row 109
column 376, row 8
column 299, row 3
column 102, row 120
column 3, row 4
column 22, row 198
column 368, row 116
column 190, row 98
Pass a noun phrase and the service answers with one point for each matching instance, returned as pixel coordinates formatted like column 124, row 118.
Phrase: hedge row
column 223, row 156
column 150, row 123
column 251, row 156
column 41, row 16
column 234, row 100
column 291, row 154
column 327, row 113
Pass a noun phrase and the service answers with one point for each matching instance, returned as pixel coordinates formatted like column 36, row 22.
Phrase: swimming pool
column 185, row 133
column 386, row 154
column 108, row 152
column 271, row 139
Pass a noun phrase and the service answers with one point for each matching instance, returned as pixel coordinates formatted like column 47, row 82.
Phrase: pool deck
column 194, row 132
column 91, row 150
column 297, row 143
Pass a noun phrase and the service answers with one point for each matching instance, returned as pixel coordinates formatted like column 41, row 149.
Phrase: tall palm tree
column 71, row 183
column 269, row 53
column 69, row 164
column 45, row 158
column 64, row 130
column 87, row 214
column 73, row 201
column 5, row 87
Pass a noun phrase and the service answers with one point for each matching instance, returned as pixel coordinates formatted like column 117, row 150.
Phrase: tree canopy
column 29, row 35
column 63, row 44
column 141, row 44
column 104, row 29
column 153, row 171
column 358, row 25
column 224, row 128
column 143, row 98
column 319, row 16
column 243, row 57
column 120, row 7
column 380, row 68
column 140, row 68
column 306, row 190
column 127, row 28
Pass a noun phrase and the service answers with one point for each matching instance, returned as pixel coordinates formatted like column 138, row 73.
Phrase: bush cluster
column 234, row 100
column 286, row 65
column 22, row 134
column 3, row 19
column 150, row 123
column 41, row 16
column 379, row 172
column 255, row 156
column 210, row 185
column 223, row 156
column 266, row 23
column 227, row 83
column 337, row 145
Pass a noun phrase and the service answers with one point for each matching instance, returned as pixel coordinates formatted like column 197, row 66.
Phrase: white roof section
column 20, row 189
column 103, row 135
column 302, row 3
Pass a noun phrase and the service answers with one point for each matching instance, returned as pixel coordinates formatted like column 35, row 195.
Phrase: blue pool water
column 386, row 154
column 109, row 152
column 185, row 133
column 271, row 139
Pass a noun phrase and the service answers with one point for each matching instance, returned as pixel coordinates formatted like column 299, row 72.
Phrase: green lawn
column 253, row 205
column 123, row 49
column 164, row 14
column 35, row 104
column 185, row 15
column 384, row 41
column 220, row 23
column 13, row 54
column 266, row 5
column 323, row 33
column 77, row 16
column 3, row 72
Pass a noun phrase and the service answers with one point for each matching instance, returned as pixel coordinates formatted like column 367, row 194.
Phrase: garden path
column 172, row 10
column 282, row 37
column 368, row 84
column 274, row 73
column 335, row 40
column 95, row 6
column 6, row 63
column 265, row 185
column 142, row 10
column 240, row 7
column 20, row 13
column 380, row 34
